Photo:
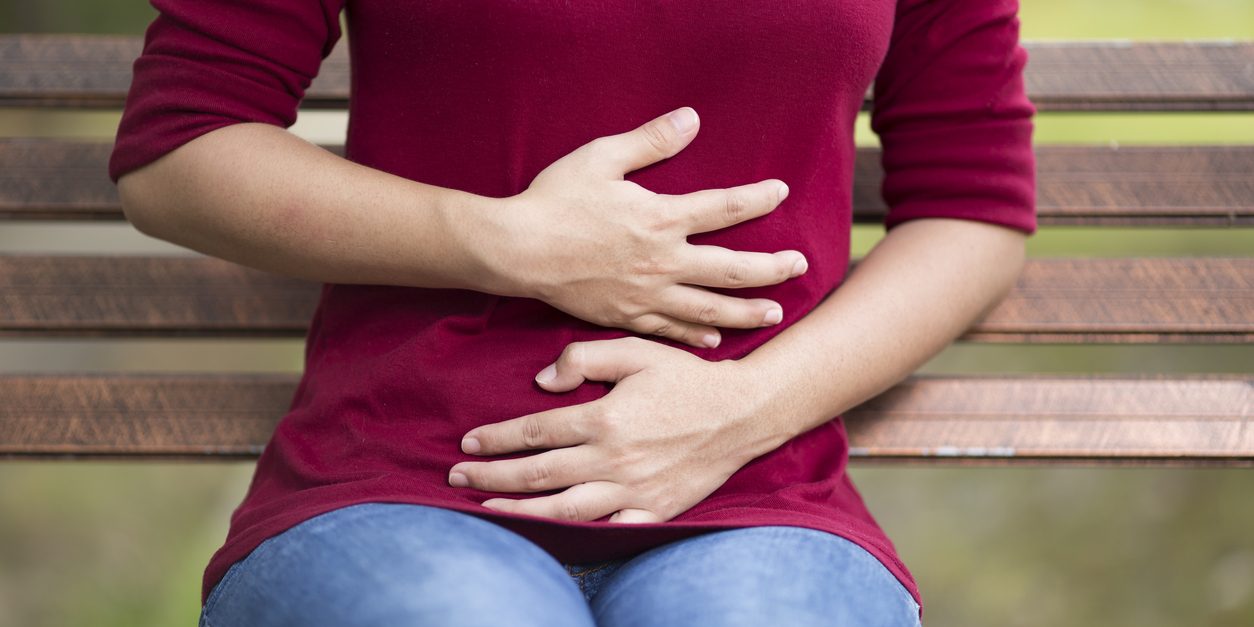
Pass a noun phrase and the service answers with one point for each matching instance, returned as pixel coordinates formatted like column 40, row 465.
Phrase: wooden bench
column 969, row 419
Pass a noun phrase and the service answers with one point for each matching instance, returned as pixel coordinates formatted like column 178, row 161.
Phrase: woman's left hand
column 672, row 430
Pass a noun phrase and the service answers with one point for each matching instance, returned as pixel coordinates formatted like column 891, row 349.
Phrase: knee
column 756, row 576
column 398, row 565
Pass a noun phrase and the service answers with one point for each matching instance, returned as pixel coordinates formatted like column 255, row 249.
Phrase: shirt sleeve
column 206, row 65
column 952, row 115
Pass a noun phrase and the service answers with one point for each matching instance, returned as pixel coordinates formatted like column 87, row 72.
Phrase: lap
column 399, row 564
column 396, row 564
column 755, row 576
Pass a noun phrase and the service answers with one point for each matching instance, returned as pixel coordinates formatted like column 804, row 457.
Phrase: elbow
column 1012, row 259
column 138, row 199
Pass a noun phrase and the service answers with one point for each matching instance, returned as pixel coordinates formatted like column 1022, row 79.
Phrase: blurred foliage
column 126, row 17
column 100, row 543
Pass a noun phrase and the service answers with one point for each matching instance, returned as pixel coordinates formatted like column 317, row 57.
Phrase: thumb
column 599, row 360
column 653, row 141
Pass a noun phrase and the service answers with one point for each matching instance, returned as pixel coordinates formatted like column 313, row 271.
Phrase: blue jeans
column 397, row 564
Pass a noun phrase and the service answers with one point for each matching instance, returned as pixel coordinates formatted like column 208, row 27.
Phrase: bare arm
column 257, row 195
column 580, row 237
column 925, row 283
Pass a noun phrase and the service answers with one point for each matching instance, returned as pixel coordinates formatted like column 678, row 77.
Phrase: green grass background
column 94, row 543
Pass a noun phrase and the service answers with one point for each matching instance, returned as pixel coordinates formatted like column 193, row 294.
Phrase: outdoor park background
column 117, row 543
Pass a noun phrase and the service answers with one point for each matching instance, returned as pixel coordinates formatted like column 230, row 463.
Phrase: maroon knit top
column 480, row 96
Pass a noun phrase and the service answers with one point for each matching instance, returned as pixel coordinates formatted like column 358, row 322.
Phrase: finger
column 690, row 333
column 597, row 360
column 584, row 501
column 714, row 209
column 547, row 429
column 715, row 266
column 635, row 516
column 534, row 473
column 655, row 140
column 691, row 303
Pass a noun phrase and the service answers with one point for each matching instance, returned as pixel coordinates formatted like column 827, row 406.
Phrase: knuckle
column 707, row 314
column 597, row 147
column 574, row 355
column 532, row 433
column 607, row 421
column 663, row 328
column 637, row 342
column 658, row 139
column 650, row 266
column 736, row 274
column 735, row 206
column 664, row 219
column 624, row 310
column 618, row 316
column 783, row 270
column 537, row 475
column 569, row 510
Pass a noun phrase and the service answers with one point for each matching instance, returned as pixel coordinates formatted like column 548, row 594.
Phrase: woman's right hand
column 611, row 252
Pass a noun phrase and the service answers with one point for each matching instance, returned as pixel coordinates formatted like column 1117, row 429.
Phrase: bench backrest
column 1135, row 419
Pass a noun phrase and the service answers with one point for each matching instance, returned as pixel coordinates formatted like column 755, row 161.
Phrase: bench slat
column 1056, row 300
column 1195, row 420
column 94, row 71
column 45, row 179
column 1058, row 418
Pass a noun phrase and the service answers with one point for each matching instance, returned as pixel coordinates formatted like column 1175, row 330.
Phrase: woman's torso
column 480, row 96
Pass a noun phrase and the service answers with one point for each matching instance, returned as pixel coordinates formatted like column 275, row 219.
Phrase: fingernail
column 711, row 340
column 683, row 119
column 782, row 191
column 458, row 480
column 773, row 316
column 548, row 374
column 470, row 445
column 800, row 267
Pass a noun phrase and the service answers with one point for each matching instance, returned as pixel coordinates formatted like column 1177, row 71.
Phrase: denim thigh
column 771, row 575
column 396, row 564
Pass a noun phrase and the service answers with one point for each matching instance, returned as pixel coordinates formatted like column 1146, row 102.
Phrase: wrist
column 763, row 406
column 478, row 226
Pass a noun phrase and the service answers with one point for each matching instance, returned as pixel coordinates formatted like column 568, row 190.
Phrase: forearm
column 925, row 283
column 262, row 197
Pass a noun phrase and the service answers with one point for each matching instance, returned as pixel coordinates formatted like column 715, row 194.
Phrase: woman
column 481, row 435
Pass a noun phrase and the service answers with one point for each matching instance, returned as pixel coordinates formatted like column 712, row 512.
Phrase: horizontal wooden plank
column 1200, row 420
column 201, row 415
column 94, row 71
column 1116, row 186
column 43, row 179
column 1055, row 300
column 1141, row 76
column 1059, row 418
column 161, row 295
column 1141, row 300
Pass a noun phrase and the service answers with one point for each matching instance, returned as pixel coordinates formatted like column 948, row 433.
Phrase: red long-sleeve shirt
column 480, row 96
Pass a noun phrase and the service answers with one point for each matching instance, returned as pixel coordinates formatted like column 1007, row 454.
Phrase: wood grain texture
column 94, row 71
column 969, row 420
column 1134, row 300
column 1058, row 418
column 1202, row 420
column 1115, row 186
column 1056, row 300
column 42, row 179
column 160, row 295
